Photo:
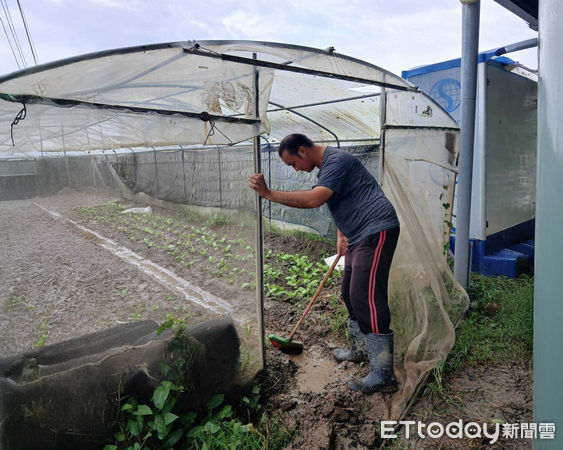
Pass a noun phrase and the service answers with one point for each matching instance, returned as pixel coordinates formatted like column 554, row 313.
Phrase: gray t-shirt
column 358, row 206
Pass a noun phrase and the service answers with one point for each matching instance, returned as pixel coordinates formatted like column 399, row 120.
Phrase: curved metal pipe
column 307, row 118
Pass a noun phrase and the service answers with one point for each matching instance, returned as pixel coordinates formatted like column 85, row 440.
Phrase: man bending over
column 368, row 230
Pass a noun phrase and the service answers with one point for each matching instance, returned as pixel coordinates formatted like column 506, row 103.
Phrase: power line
column 12, row 29
column 6, row 9
column 10, row 42
column 31, row 46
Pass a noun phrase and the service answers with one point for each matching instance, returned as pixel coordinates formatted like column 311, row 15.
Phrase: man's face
column 300, row 162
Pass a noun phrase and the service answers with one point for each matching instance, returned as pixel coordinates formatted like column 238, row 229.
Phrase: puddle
column 314, row 373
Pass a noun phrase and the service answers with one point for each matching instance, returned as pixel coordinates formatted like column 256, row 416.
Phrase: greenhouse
column 126, row 208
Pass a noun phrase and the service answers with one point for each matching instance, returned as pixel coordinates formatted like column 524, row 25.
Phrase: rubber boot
column 381, row 377
column 357, row 351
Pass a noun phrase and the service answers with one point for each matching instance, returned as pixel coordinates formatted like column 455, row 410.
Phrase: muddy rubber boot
column 381, row 377
column 357, row 350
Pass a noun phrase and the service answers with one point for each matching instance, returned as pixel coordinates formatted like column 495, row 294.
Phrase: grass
column 43, row 333
column 14, row 302
column 498, row 327
column 499, row 324
column 217, row 220
column 337, row 314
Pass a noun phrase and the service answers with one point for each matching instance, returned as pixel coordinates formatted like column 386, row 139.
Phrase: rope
column 19, row 117
column 207, row 118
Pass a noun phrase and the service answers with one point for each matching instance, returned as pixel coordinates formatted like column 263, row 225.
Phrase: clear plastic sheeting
column 415, row 110
column 48, row 128
column 165, row 82
column 326, row 61
column 153, row 96
column 345, row 111
column 171, row 85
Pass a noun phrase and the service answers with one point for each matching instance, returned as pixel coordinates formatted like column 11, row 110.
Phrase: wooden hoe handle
column 314, row 299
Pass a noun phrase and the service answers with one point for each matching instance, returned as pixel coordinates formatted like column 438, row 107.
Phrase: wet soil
column 309, row 394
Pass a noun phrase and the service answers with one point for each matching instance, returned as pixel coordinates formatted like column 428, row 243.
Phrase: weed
column 337, row 315
column 43, row 333
column 217, row 220
column 174, row 323
column 162, row 425
column 13, row 302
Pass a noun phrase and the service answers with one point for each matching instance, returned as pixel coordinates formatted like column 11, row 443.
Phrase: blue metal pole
column 469, row 55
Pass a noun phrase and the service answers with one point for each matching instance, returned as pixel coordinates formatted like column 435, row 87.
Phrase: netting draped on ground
column 424, row 297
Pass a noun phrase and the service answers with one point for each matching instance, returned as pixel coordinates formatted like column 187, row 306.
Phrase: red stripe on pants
column 372, row 279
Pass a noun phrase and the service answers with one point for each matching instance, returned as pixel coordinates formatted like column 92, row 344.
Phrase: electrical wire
column 10, row 42
column 31, row 46
column 6, row 9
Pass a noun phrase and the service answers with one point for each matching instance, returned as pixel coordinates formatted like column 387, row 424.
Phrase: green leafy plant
column 161, row 424
column 142, row 424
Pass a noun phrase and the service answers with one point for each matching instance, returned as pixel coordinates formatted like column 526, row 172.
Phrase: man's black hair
column 292, row 142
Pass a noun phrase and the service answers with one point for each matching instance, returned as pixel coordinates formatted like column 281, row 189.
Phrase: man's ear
column 301, row 152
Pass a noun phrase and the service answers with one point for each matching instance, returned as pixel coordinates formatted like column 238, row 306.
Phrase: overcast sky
column 394, row 34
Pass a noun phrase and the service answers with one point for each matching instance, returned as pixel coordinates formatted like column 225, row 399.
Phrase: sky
column 393, row 34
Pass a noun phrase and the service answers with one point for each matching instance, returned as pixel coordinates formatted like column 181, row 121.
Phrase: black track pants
column 365, row 278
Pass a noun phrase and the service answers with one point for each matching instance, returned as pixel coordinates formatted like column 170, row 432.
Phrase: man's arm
column 313, row 198
column 341, row 243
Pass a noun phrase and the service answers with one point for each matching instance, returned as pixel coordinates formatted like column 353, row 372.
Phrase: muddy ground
column 310, row 394
column 57, row 282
